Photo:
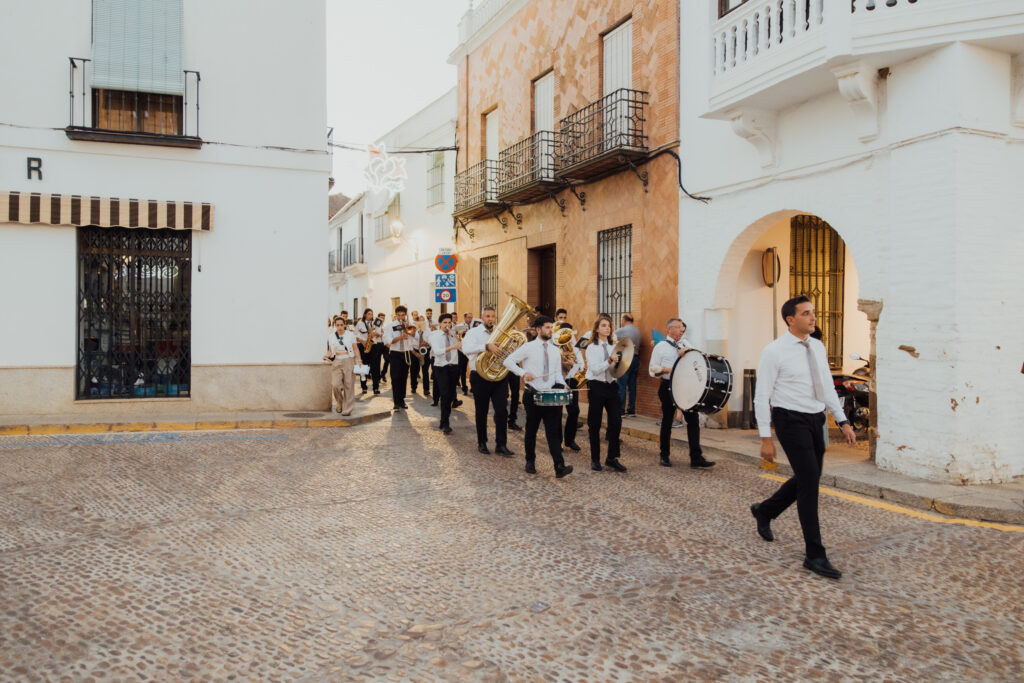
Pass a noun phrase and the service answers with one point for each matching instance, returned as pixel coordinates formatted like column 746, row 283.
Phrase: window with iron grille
column 615, row 271
column 350, row 254
column 134, row 313
column 435, row 180
column 818, row 271
column 489, row 282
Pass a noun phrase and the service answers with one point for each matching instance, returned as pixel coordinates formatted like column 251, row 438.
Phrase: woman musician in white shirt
column 604, row 394
column 343, row 352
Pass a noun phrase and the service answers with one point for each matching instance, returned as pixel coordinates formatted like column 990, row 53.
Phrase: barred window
column 615, row 271
column 134, row 313
column 350, row 254
column 489, row 282
column 818, row 271
column 435, row 180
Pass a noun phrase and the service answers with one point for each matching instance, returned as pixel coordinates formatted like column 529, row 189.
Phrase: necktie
column 607, row 372
column 546, row 360
column 448, row 351
column 812, row 361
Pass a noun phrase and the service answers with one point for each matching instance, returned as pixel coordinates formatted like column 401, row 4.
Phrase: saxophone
column 491, row 366
column 563, row 338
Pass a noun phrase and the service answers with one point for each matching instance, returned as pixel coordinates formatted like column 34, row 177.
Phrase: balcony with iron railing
column 528, row 168
column 334, row 261
column 770, row 54
column 140, row 118
column 603, row 136
column 352, row 258
column 476, row 190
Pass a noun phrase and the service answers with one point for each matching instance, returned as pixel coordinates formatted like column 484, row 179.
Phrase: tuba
column 563, row 337
column 490, row 366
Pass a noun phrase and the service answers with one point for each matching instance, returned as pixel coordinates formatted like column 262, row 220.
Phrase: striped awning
column 31, row 208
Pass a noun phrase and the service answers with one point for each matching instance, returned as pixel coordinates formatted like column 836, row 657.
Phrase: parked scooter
column 864, row 370
column 853, row 395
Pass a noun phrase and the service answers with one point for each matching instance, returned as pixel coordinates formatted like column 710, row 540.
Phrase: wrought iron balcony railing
column 350, row 253
column 476, row 189
column 528, row 167
column 603, row 135
column 333, row 262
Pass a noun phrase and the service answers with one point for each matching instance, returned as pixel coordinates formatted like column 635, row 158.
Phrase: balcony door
column 544, row 119
column 491, row 149
column 617, row 73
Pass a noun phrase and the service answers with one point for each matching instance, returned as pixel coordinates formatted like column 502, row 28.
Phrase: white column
column 730, row 48
column 816, row 12
column 762, row 29
column 801, row 16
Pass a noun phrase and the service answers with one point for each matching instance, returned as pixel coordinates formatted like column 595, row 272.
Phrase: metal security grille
column 435, row 180
column 489, row 282
column 615, row 271
column 818, row 271
column 134, row 313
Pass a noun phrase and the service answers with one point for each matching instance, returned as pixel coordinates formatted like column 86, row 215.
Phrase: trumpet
column 563, row 338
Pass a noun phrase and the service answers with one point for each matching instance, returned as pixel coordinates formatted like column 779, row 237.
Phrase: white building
column 877, row 145
column 161, row 226
column 387, row 240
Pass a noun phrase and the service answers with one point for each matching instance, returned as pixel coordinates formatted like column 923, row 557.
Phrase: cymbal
column 625, row 347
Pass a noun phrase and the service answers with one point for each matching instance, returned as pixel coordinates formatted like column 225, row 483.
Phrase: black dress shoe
column 446, row 429
column 403, row 405
column 665, row 462
column 596, row 466
column 514, row 427
column 376, row 392
column 456, row 403
column 435, row 404
column 530, row 469
column 559, row 473
column 820, row 565
column 764, row 525
column 502, row 450
column 482, row 447
column 573, row 446
column 701, row 463
column 615, row 465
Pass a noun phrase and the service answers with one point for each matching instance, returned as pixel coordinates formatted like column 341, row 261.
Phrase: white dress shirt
column 665, row 355
column 475, row 343
column 439, row 342
column 784, row 381
column 531, row 355
column 363, row 328
column 598, row 354
column 407, row 344
column 342, row 347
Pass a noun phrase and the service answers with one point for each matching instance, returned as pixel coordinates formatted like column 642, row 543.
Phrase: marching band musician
column 467, row 320
column 485, row 391
column 365, row 329
column 663, row 358
column 400, row 345
column 541, row 370
column 343, row 352
column 572, row 411
column 604, row 394
column 385, row 356
column 444, row 347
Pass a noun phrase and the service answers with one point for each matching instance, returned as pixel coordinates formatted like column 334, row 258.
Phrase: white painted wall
column 264, row 166
column 929, row 213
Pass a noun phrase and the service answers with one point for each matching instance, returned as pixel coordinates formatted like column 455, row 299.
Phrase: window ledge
column 131, row 138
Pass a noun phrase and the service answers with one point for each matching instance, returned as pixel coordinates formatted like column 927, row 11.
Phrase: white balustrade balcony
column 770, row 54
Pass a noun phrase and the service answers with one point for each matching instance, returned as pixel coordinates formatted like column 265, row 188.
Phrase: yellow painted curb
column 48, row 429
column 173, row 426
column 329, row 423
column 287, row 424
column 216, row 424
column 128, row 426
column 89, row 429
column 13, row 430
column 910, row 512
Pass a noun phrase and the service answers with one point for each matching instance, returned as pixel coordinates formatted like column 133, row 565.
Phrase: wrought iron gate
column 134, row 313
column 489, row 282
column 615, row 271
column 818, row 271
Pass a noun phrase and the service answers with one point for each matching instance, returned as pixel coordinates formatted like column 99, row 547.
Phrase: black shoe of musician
column 514, row 426
column 502, row 450
column 764, row 525
column 446, row 429
column 573, row 446
column 615, row 465
column 456, row 403
column 701, row 462
column 596, row 465
column 403, row 405
column 530, row 469
column 482, row 447
column 376, row 392
column 665, row 462
column 561, row 472
column 821, row 566
column 434, row 404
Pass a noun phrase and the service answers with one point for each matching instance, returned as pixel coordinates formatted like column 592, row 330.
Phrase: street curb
column 836, row 481
column 186, row 425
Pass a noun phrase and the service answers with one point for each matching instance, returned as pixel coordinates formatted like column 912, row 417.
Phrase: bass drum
column 701, row 382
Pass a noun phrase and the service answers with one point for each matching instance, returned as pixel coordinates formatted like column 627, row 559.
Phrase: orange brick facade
column 566, row 38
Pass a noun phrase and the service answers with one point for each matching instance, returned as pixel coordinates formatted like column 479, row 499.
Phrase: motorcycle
column 853, row 393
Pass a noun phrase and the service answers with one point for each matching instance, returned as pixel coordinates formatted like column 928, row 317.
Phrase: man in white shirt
column 541, row 369
column 663, row 358
column 343, row 352
column 572, row 411
column 794, row 388
column 401, row 345
column 444, row 348
column 485, row 391
column 365, row 330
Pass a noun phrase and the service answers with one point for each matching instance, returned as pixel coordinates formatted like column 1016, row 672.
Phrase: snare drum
column 552, row 397
column 701, row 382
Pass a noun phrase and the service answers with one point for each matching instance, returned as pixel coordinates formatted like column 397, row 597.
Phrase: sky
column 386, row 60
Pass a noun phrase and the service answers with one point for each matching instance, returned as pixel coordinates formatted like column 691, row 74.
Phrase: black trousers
column 551, row 416
column 513, row 391
column 373, row 360
column 463, row 367
column 446, row 379
column 802, row 437
column 668, row 413
column 572, row 415
column 426, row 365
column 495, row 394
column 399, row 376
column 414, row 372
column 604, row 396
column 385, row 354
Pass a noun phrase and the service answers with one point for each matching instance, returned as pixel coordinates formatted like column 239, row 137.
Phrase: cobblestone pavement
column 391, row 552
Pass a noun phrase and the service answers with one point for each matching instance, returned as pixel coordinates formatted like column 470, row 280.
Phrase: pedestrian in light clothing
column 627, row 383
column 343, row 352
